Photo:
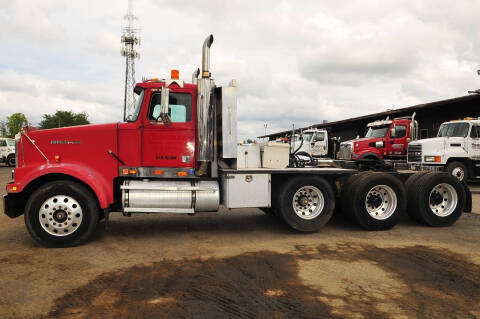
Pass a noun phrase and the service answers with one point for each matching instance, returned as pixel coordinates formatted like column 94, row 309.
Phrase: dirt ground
column 243, row 264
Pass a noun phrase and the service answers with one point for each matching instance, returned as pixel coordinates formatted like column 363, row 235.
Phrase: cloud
column 295, row 62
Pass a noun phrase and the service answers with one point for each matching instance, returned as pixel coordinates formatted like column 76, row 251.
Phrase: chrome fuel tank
column 170, row 196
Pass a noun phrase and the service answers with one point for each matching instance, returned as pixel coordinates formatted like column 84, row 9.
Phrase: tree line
column 14, row 123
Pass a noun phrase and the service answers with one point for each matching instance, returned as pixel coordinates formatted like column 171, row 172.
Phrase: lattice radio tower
column 130, row 39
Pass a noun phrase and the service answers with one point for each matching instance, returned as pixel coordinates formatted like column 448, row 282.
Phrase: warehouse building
column 428, row 115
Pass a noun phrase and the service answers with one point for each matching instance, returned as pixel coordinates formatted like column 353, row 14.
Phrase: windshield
column 133, row 117
column 11, row 142
column 453, row 130
column 377, row 131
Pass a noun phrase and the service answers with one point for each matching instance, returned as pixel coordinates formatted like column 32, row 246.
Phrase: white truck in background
column 7, row 151
column 456, row 149
column 311, row 141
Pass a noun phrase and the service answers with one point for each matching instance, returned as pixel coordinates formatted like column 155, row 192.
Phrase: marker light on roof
column 175, row 74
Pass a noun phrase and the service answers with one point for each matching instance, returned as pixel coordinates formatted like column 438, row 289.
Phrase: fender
column 102, row 188
column 368, row 154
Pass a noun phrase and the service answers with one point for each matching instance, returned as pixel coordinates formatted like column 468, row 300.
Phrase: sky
column 295, row 62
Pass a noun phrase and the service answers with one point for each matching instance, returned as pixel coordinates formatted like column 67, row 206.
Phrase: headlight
column 432, row 158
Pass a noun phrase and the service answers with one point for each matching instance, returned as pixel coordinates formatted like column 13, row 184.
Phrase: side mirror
column 393, row 132
column 164, row 107
column 379, row 144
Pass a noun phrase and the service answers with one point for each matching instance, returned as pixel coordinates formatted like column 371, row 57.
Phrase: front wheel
column 11, row 160
column 306, row 203
column 459, row 170
column 61, row 214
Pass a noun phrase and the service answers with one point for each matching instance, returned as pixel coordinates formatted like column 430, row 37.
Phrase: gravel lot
column 243, row 264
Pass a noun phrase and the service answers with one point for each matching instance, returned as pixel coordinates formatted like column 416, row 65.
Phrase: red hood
column 72, row 144
column 365, row 141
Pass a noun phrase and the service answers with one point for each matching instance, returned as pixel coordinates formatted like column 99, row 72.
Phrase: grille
column 345, row 152
column 414, row 153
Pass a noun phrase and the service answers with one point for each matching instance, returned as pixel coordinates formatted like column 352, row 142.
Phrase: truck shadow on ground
column 226, row 224
column 336, row 281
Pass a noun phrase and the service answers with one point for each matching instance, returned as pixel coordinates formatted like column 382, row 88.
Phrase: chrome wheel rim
column 459, row 173
column 443, row 199
column 308, row 202
column 381, row 202
column 60, row 215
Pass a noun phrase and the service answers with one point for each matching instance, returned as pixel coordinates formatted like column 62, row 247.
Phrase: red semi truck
column 385, row 140
column 177, row 153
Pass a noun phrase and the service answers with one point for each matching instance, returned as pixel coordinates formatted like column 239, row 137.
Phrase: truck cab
column 312, row 141
column 456, row 149
column 384, row 139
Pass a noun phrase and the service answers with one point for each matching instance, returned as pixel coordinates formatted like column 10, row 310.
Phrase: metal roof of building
column 383, row 114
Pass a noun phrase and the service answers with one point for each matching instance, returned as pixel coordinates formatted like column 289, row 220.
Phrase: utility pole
column 130, row 39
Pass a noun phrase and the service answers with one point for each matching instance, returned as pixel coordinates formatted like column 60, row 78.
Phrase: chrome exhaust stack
column 206, row 56
column 205, row 110
column 414, row 127
column 195, row 75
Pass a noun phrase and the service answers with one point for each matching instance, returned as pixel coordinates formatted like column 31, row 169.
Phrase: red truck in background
column 385, row 139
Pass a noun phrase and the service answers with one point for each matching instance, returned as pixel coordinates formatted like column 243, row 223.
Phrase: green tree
column 3, row 128
column 63, row 118
column 14, row 123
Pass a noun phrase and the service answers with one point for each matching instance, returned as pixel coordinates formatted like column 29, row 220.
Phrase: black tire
column 424, row 195
column 411, row 188
column 87, row 208
column 286, row 197
column 11, row 160
column 456, row 169
column 346, row 194
column 382, row 189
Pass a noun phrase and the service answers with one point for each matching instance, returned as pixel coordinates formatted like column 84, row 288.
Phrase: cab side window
column 179, row 107
column 475, row 132
column 3, row 143
column 320, row 136
column 400, row 131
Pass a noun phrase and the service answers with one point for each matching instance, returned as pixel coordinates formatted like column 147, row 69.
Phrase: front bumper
column 423, row 167
column 13, row 205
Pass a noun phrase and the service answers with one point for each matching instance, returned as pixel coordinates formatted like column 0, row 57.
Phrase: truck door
column 473, row 143
column 396, row 143
column 319, row 144
column 174, row 145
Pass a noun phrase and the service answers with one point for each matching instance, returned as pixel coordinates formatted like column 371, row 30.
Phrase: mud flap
column 13, row 205
column 468, row 198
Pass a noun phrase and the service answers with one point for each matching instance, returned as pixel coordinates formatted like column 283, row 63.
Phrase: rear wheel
column 411, row 188
column 459, row 170
column 346, row 194
column 377, row 200
column 61, row 214
column 11, row 160
column 306, row 203
column 439, row 200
